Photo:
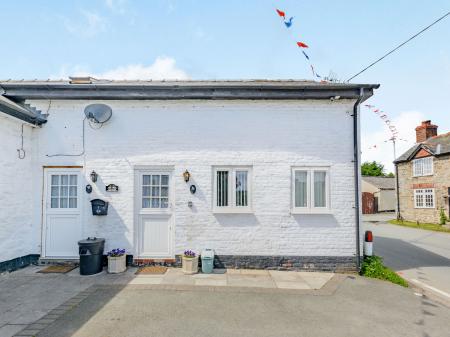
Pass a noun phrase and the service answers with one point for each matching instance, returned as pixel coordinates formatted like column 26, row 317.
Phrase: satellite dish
column 98, row 113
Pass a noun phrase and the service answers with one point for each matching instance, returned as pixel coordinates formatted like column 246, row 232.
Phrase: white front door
column 154, row 214
column 62, row 213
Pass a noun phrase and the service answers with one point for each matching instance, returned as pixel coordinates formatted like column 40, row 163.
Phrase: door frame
column 157, row 213
column 45, row 172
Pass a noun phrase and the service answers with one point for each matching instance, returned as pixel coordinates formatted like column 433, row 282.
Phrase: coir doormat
column 151, row 270
column 58, row 269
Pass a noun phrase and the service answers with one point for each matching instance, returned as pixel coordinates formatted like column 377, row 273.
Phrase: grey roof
column 437, row 146
column 383, row 183
column 224, row 89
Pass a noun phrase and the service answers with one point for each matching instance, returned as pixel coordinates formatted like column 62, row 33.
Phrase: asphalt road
column 358, row 307
column 421, row 256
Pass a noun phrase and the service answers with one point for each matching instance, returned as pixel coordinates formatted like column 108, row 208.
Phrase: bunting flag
column 300, row 44
column 385, row 118
column 281, row 13
column 289, row 22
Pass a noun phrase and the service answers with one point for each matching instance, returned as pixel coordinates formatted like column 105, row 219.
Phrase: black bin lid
column 91, row 241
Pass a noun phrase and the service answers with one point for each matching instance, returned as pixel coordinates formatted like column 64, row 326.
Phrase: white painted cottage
column 275, row 165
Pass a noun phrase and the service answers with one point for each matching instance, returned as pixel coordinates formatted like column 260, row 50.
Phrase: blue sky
column 243, row 39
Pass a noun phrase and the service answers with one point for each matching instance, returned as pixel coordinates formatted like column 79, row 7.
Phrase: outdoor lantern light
column 94, row 176
column 186, row 175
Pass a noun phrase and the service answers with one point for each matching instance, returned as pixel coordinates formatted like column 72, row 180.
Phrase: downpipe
column 356, row 174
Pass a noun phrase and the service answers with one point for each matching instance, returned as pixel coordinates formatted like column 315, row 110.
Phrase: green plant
column 373, row 267
column 421, row 225
column 442, row 216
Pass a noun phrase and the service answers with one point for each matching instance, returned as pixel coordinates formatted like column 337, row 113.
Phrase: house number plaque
column 112, row 188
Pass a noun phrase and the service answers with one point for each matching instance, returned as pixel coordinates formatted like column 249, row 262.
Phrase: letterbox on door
column 99, row 207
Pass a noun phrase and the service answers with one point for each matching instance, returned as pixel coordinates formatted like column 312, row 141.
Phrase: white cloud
column 117, row 6
column 164, row 68
column 88, row 24
column 375, row 145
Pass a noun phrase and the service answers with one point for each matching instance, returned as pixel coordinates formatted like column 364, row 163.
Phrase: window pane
column 165, row 180
column 64, row 179
column 73, row 191
column 64, row 191
column 319, row 188
column 55, row 191
column 241, row 188
column 155, row 179
column 73, row 179
column 301, row 188
column 145, row 191
column 164, row 191
column 55, row 179
column 155, row 191
column 222, row 188
column 145, row 202
column 54, row 203
column 63, row 203
column 72, row 202
column 164, row 202
column 155, row 202
column 145, row 180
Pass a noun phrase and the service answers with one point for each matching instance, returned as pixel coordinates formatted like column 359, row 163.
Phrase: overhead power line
column 399, row 46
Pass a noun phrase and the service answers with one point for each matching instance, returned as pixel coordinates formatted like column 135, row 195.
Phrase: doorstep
column 242, row 278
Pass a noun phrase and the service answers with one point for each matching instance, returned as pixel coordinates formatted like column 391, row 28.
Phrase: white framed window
column 310, row 190
column 424, row 198
column 232, row 190
column 64, row 190
column 423, row 167
column 155, row 190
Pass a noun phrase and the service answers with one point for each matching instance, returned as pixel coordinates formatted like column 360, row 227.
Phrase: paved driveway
column 358, row 307
column 421, row 256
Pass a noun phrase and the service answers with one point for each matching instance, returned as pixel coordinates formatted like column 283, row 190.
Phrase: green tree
column 372, row 169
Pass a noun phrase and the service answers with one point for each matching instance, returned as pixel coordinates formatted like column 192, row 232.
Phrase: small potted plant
column 190, row 262
column 117, row 262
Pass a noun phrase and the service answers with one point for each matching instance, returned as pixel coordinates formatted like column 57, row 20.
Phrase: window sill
column 311, row 211
column 232, row 211
column 424, row 175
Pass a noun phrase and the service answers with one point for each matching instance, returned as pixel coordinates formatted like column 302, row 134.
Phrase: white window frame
column 419, row 167
column 424, row 192
column 232, row 208
column 310, row 208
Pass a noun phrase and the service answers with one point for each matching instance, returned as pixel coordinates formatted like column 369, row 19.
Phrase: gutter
column 23, row 112
column 357, row 170
column 397, row 186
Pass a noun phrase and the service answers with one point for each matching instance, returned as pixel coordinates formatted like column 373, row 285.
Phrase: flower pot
column 190, row 265
column 117, row 264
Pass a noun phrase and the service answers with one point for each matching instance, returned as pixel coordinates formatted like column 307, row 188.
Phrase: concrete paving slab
column 260, row 281
column 292, row 285
column 211, row 282
column 146, row 280
column 316, row 280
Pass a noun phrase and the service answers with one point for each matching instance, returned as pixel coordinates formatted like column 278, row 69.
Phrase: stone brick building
column 424, row 176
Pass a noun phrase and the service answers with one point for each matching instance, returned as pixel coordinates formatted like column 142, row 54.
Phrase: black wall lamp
column 186, row 176
column 94, row 176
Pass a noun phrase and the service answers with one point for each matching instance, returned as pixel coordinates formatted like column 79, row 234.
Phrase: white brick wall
column 16, row 191
column 271, row 136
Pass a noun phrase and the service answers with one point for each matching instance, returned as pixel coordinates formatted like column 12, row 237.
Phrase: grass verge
column 373, row 267
column 426, row 226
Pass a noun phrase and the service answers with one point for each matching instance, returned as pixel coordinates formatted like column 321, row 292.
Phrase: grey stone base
column 311, row 263
column 18, row 262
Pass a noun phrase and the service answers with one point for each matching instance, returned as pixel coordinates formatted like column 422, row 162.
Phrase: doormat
column 58, row 269
column 151, row 270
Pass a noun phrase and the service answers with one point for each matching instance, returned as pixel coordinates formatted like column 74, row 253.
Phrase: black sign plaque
column 112, row 188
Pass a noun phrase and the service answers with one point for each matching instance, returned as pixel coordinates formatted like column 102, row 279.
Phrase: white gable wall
column 270, row 136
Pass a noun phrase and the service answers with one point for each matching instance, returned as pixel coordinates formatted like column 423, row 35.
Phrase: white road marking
column 443, row 293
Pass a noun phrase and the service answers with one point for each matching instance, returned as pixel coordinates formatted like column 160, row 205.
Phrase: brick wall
column 270, row 136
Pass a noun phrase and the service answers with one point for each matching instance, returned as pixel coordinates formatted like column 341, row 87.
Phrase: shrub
column 373, row 267
column 442, row 217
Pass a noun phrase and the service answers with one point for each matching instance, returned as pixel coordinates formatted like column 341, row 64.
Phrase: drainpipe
column 357, row 170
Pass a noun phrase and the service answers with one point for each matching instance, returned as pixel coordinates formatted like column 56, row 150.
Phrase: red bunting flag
column 302, row 45
column 281, row 13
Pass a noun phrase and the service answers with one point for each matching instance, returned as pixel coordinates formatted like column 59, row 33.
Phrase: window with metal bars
column 232, row 189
